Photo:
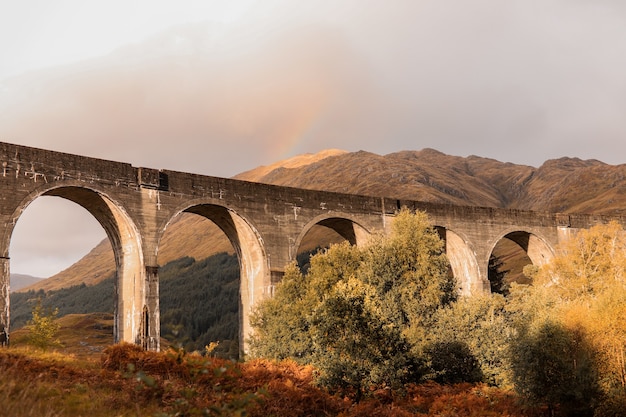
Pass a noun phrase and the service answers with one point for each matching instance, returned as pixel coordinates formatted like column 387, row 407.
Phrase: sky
column 220, row 87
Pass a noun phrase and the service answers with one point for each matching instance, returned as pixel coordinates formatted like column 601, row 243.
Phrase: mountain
column 19, row 281
column 292, row 163
column 560, row 185
column 566, row 184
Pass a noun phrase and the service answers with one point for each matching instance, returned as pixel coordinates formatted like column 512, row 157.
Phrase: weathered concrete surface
column 265, row 224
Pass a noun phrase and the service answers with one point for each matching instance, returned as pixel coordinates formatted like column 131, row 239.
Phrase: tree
column 592, row 262
column 589, row 283
column 282, row 323
column 452, row 362
column 359, row 313
column 477, row 328
column 357, row 348
column 497, row 275
column 409, row 272
column 581, row 297
column 555, row 366
column 43, row 327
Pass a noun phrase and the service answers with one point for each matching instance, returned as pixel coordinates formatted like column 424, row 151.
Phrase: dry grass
column 53, row 384
column 123, row 380
column 83, row 336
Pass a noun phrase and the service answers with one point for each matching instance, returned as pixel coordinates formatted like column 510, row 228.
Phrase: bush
column 43, row 327
column 452, row 362
column 360, row 314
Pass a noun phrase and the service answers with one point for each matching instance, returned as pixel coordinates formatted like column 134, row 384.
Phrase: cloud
column 519, row 81
column 181, row 102
column 51, row 235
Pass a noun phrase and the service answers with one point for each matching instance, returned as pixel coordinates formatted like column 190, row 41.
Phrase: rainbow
column 287, row 138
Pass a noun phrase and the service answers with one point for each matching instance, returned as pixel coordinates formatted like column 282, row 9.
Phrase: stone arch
column 347, row 228
column 255, row 276
column 463, row 262
column 536, row 247
column 126, row 243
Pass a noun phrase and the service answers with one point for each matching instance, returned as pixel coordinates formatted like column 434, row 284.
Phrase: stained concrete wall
column 265, row 224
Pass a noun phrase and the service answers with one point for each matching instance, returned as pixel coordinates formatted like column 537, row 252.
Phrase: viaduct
column 264, row 223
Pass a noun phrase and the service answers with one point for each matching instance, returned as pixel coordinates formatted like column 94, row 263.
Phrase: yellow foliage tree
column 587, row 284
column 43, row 327
column 589, row 264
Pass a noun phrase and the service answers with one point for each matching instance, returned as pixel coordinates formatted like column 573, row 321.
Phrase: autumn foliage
column 552, row 348
column 129, row 381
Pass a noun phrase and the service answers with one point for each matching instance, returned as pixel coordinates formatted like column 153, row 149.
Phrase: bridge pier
column 5, row 316
column 150, row 333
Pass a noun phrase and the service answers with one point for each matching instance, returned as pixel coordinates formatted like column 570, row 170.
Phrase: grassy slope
column 80, row 335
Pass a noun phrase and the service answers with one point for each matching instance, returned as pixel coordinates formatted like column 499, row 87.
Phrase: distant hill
column 559, row 185
column 19, row 281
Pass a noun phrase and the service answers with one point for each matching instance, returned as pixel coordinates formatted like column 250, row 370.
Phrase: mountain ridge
column 428, row 175
column 19, row 281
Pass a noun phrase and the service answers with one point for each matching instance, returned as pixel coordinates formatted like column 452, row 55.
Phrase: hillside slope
column 19, row 281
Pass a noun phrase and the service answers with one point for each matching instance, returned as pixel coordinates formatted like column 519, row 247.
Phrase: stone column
column 151, row 321
column 5, row 317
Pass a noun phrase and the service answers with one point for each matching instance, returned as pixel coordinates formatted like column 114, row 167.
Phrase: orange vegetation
column 129, row 381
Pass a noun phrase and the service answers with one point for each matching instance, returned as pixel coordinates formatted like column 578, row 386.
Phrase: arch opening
column 104, row 281
column 216, row 257
column 321, row 234
column 510, row 255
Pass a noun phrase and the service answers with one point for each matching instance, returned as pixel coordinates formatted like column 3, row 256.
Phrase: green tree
column 452, row 362
column 282, row 323
column 360, row 312
column 482, row 325
column 555, row 366
column 409, row 272
column 497, row 275
column 357, row 347
column 43, row 327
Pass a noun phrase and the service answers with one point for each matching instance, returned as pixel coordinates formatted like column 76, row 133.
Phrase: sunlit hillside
column 560, row 185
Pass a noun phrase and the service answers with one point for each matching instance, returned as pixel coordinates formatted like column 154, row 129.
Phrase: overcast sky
column 220, row 87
